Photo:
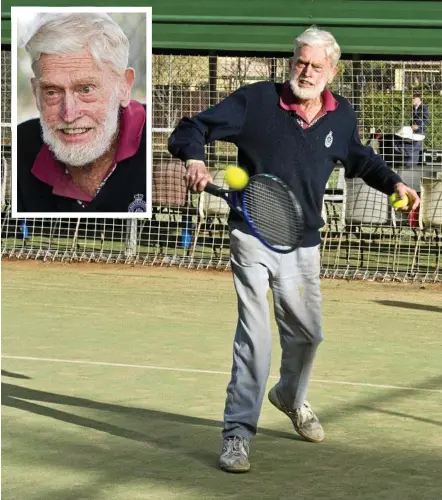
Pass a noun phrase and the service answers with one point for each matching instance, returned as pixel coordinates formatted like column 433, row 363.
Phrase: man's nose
column 69, row 109
column 308, row 70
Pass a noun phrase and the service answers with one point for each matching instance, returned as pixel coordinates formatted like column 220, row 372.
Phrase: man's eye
column 87, row 89
column 51, row 93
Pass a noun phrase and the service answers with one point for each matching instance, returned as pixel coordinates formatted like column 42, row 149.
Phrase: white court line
column 210, row 372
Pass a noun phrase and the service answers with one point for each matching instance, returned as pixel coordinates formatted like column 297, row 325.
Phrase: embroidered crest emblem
column 329, row 139
column 138, row 205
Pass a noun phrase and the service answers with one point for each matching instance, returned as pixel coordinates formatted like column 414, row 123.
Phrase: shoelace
column 238, row 445
column 305, row 415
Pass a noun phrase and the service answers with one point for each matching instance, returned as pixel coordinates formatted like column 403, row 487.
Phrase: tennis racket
column 270, row 209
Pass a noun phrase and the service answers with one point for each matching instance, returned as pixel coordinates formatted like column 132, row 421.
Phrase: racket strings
column 273, row 212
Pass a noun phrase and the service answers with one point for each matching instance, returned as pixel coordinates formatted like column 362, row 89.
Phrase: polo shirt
column 289, row 102
column 44, row 184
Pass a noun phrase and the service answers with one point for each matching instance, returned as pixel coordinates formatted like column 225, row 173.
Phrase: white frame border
column 15, row 13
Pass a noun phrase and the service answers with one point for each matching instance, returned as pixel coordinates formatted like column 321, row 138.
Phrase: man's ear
column 126, row 87
column 334, row 72
column 34, row 84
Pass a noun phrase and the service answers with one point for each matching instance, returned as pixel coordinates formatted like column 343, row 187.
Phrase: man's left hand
column 415, row 127
column 413, row 199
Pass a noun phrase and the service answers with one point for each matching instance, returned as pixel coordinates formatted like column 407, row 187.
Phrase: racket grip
column 212, row 189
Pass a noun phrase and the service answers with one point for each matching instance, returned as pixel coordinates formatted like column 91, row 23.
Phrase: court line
column 210, row 372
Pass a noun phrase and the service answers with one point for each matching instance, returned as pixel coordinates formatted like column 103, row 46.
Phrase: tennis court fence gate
column 362, row 237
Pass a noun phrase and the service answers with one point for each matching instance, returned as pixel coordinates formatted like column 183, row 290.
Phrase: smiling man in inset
column 87, row 152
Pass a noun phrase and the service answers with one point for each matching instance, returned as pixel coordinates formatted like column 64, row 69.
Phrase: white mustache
column 62, row 127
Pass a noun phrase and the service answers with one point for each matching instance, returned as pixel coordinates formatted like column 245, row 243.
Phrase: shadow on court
column 401, row 415
column 169, row 450
column 14, row 375
column 388, row 396
column 409, row 305
column 25, row 399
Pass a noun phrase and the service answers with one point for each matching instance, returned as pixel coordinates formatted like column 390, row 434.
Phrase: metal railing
column 362, row 236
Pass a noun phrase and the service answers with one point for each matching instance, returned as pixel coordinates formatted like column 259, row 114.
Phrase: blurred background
column 133, row 25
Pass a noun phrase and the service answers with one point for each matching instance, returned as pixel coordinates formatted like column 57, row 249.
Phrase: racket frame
column 237, row 202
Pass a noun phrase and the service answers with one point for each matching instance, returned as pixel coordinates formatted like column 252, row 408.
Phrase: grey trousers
column 294, row 280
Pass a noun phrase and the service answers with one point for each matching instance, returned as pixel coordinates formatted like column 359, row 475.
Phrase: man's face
column 79, row 105
column 416, row 101
column 311, row 71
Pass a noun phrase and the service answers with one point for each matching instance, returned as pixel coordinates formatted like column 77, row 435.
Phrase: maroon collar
column 289, row 102
column 50, row 171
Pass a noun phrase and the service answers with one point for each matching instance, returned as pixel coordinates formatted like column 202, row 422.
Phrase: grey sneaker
column 305, row 422
column 235, row 455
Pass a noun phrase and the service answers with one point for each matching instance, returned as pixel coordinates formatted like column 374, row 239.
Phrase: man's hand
column 197, row 175
column 402, row 190
column 415, row 127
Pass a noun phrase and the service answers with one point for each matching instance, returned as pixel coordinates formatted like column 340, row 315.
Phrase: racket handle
column 213, row 189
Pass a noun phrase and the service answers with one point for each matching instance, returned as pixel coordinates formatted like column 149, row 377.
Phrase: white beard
column 81, row 155
column 307, row 94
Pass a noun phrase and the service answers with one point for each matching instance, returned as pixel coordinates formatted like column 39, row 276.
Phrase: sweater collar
column 289, row 102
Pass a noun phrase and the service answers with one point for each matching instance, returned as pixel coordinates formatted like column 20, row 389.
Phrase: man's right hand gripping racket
column 270, row 209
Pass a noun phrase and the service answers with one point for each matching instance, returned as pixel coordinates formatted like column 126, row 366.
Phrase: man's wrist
column 194, row 161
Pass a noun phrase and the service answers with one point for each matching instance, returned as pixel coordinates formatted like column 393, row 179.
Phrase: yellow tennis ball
column 236, row 177
column 397, row 202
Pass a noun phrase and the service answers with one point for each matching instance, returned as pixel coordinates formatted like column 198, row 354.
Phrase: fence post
column 357, row 83
column 213, row 99
column 131, row 238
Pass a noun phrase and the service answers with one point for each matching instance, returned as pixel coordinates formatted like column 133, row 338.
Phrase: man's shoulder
column 344, row 106
column 31, row 126
column 29, row 143
column 261, row 87
column 342, row 101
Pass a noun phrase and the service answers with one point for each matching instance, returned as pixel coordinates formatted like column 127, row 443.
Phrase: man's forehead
column 312, row 54
column 71, row 66
column 69, row 79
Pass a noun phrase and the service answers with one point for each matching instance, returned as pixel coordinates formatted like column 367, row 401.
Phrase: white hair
column 70, row 33
column 314, row 37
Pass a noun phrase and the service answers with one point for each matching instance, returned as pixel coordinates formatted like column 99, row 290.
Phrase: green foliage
column 388, row 111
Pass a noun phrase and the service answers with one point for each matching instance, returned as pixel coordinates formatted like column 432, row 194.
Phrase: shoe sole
column 235, row 470
column 302, row 434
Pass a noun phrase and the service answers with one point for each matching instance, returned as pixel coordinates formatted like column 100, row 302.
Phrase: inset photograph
column 81, row 112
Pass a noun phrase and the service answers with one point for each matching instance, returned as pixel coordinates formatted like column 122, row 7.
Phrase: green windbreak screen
column 401, row 27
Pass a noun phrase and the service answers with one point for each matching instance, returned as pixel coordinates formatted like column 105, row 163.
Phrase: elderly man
column 298, row 131
column 87, row 152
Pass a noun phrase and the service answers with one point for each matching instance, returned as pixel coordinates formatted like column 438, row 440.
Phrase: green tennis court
column 114, row 380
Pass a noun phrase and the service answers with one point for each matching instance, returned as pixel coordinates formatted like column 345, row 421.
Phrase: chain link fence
column 362, row 236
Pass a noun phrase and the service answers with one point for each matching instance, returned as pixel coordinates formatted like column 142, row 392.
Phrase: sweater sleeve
column 221, row 122
column 363, row 162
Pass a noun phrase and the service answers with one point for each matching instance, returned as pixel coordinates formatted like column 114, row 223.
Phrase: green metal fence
column 362, row 237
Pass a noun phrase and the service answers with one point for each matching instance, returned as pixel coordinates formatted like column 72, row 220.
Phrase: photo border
column 15, row 13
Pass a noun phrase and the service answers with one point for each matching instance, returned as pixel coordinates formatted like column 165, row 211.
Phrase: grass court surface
column 114, row 382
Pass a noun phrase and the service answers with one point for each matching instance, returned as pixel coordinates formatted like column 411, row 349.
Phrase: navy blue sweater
column 270, row 140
